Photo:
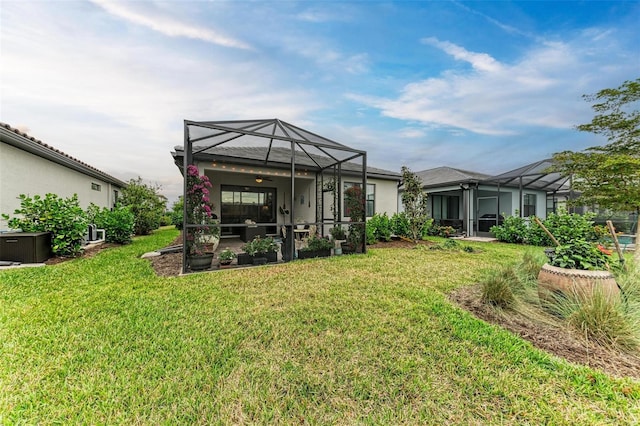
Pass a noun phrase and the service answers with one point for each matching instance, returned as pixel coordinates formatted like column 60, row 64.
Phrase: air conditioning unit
column 92, row 232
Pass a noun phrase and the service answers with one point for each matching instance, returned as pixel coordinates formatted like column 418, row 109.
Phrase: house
column 273, row 173
column 473, row 202
column 29, row 166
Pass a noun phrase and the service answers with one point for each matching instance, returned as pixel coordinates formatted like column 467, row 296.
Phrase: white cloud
column 542, row 89
column 167, row 25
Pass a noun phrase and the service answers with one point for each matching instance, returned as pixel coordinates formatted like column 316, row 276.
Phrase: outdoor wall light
column 259, row 179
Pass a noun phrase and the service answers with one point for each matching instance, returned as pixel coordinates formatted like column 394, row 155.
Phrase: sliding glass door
column 240, row 203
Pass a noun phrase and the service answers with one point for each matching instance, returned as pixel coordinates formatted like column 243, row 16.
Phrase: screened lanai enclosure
column 269, row 176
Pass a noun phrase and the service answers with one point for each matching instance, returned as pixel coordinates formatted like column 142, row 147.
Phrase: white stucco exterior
column 304, row 196
column 25, row 172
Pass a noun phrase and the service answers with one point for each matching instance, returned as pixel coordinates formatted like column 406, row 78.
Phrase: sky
column 486, row 86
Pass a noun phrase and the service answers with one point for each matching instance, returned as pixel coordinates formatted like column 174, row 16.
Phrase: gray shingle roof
column 279, row 157
column 448, row 175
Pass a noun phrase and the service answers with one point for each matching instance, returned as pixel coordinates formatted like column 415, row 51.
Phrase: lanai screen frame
column 304, row 140
column 532, row 176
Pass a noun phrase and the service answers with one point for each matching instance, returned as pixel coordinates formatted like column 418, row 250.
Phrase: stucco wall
column 25, row 173
column 304, row 194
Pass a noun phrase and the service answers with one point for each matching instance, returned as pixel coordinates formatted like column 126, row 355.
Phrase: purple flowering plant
column 199, row 212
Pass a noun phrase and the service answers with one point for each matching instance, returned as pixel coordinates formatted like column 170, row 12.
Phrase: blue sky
column 483, row 86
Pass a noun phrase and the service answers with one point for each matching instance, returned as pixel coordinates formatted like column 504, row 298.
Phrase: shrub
column 64, row 218
column 380, row 226
column 399, row 224
column 338, row 233
column 497, row 287
column 146, row 204
column 599, row 319
column 512, row 230
column 580, row 254
column 177, row 213
column 318, row 244
column 118, row 224
column 414, row 200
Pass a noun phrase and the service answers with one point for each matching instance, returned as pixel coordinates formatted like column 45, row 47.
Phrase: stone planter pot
column 555, row 280
column 200, row 262
column 272, row 256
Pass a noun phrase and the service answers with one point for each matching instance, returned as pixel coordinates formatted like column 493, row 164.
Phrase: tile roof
column 56, row 153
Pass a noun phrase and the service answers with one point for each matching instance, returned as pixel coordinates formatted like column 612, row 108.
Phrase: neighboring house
column 254, row 182
column 29, row 166
column 473, row 202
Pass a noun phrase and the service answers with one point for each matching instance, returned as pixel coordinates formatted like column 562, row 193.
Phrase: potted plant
column 203, row 239
column 260, row 251
column 339, row 236
column 316, row 247
column 577, row 267
column 226, row 256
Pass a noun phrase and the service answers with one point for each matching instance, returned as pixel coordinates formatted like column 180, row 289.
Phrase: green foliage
column 514, row 229
column 400, row 224
column 441, row 231
column 452, row 245
column 146, row 204
column 118, row 224
column 64, row 218
column 378, row 228
column 177, row 213
column 609, row 176
column 564, row 226
column 355, row 203
column 598, row 318
column 260, row 246
column 370, row 236
column 316, row 243
column 414, row 200
column 580, row 254
column 227, row 255
column 338, row 233
column 497, row 287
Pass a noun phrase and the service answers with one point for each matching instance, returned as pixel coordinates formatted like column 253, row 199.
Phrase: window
column 445, row 207
column 96, row 186
column 529, row 205
column 370, row 198
column 115, row 197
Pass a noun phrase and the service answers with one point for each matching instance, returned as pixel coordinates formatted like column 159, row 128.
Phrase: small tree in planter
column 203, row 239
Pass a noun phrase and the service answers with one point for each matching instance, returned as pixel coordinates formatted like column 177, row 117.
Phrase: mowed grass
column 368, row 339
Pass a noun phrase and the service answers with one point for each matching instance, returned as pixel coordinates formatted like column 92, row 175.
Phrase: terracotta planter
column 554, row 280
column 200, row 262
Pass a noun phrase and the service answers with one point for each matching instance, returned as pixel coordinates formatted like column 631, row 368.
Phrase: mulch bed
column 559, row 341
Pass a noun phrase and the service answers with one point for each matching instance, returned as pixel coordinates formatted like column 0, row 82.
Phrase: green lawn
column 365, row 339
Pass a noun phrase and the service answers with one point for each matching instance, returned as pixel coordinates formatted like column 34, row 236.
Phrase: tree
column 414, row 200
column 146, row 204
column 609, row 175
